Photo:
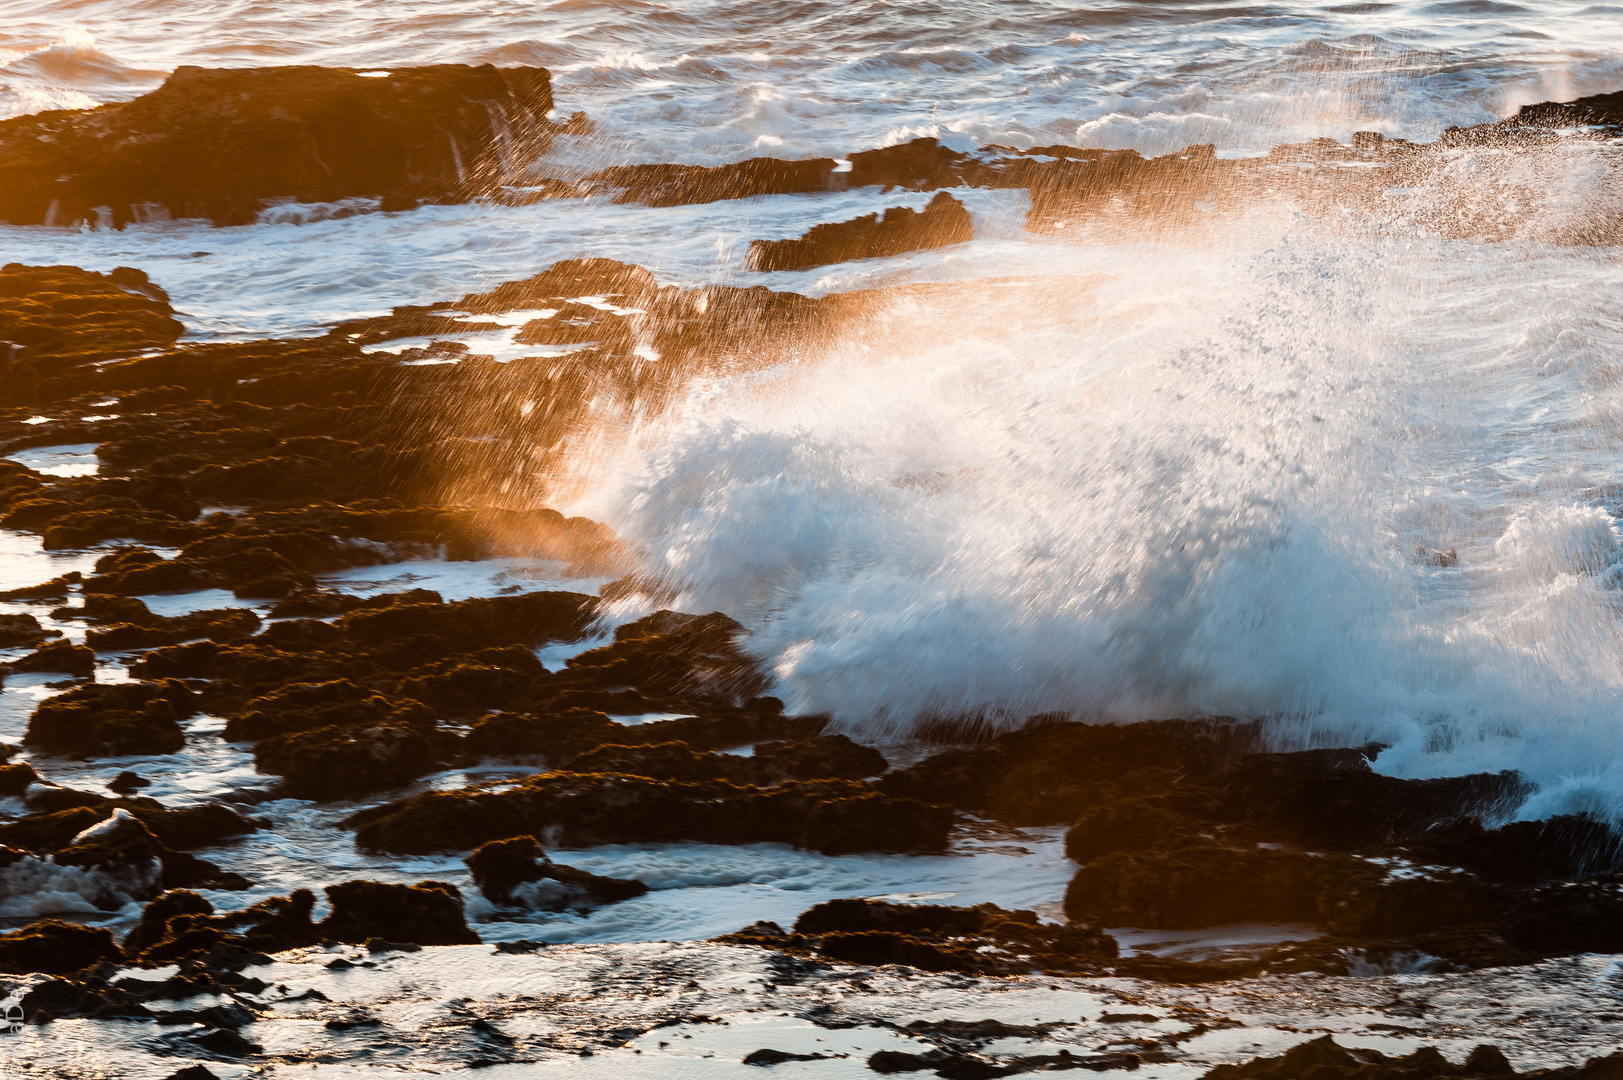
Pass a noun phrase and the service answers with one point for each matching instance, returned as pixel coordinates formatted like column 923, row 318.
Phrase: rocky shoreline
column 257, row 467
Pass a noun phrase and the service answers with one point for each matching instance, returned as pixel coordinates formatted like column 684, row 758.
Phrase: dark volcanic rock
column 833, row 816
column 180, row 926
column 156, row 915
column 1324, row 1057
column 112, row 720
column 53, row 947
column 501, row 867
column 942, row 223
column 59, row 656
column 343, row 762
column 215, row 143
column 57, row 317
column 428, row 913
column 123, row 846
column 679, row 185
column 23, row 630
column 985, row 939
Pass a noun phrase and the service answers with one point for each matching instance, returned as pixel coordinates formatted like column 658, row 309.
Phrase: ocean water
column 1359, row 481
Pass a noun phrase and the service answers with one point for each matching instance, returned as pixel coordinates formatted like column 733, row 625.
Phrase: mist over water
column 1358, row 482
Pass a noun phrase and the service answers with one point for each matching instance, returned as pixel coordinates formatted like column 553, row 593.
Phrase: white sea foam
column 1225, row 483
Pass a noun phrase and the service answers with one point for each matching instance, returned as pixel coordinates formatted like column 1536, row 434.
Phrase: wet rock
column 556, row 736
column 922, row 164
column 767, row 1056
column 477, row 682
column 222, row 624
column 127, row 783
column 428, row 913
column 827, row 756
column 156, row 915
column 56, row 656
column 23, row 631
column 53, row 947
column 304, row 706
column 488, row 622
column 216, row 143
column 517, row 873
column 112, row 720
column 664, row 761
column 942, row 223
column 682, row 185
column 123, row 847
column 192, row 1072
column 984, row 939
column 1324, row 1057
column 834, row 816
column 62, row 317
column 1333, row 799
column 15, row 779
column 346, row 761
column 691, row 656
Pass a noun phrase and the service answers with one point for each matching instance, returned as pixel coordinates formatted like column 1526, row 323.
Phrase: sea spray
column 1286, row 481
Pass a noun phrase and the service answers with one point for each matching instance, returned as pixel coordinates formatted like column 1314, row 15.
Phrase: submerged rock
column 942, row 223
column 517, row 873
column 217, row 143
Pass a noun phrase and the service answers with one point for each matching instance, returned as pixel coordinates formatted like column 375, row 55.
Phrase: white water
column 1218, row 483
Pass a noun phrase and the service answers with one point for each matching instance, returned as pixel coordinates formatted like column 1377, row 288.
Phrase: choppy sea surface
column 1363, row 483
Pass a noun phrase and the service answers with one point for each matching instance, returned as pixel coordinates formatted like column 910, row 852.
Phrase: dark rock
column 1324, row 1057
column 942, row 223
column 125, row 847
column 224, row 624
column 694, row 656
column 835, row 816
column 767, row 1056
column 113, row 720
column 984, row 939
column 559, row 736
column 1332, row 799
column 345, row 761
column 156, row 915
column 500, row 867
column 216, row 143
column 922, row 164
column 826, row 757
column 193, row 1072
column 664, row 761
column 53, row 947
column 127, row 783
column 62, row 317
column 428, row 913
column 60, row 656
column 22, row 630
column 681, row 185
column 15, row 779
